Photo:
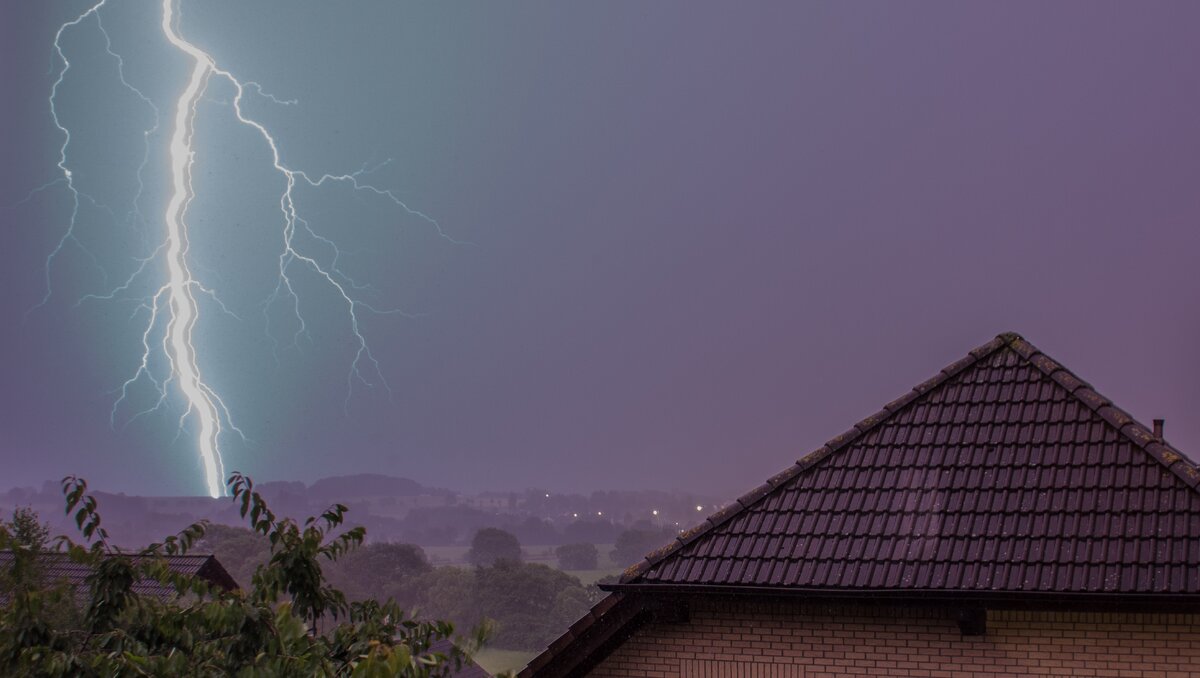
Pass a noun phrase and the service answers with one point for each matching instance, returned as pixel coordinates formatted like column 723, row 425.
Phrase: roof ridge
column 811, row 459
column 1125, row 424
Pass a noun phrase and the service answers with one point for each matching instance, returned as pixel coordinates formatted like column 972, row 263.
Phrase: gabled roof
column 1005, row 472
column 1004, row 476
column 56, row 567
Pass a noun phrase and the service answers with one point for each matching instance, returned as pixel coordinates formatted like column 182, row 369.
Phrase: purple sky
column 706, row 238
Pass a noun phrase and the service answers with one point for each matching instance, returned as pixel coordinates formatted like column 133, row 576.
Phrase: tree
column 379, row 569
column 444, row 593
column 270, row 629
column 633, row 545
column 491, row 545
column 241, row 551
column 25, row 537
column 530, row 603
column 577, row 556
column 27, row 530
column 525, row 605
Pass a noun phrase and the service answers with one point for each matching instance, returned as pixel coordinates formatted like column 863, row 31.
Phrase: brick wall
column 737, row 639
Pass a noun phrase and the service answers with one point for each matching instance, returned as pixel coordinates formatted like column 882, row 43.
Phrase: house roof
column 1003, row 475
column 58, row 567
column 1005, row 472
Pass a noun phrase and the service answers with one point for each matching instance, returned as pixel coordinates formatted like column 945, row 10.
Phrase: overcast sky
column 702, row 238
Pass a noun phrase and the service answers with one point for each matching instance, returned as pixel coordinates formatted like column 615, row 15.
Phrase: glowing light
column 655, row 512
column 699, row 508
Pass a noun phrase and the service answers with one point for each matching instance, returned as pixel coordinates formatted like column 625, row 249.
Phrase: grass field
column 494, row 661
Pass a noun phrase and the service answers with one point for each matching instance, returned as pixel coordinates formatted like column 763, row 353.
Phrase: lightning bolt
column 201, row 400
column 173, row 309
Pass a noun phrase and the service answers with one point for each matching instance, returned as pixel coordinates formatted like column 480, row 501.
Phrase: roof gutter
column 1017, row 600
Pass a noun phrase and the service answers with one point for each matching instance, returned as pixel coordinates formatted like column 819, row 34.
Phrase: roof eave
column 1084, row 600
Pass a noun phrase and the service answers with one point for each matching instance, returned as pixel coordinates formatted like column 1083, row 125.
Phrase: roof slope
column 58, row 567
column 1003, row 473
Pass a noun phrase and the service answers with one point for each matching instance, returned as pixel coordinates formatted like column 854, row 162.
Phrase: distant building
column 1002, row 519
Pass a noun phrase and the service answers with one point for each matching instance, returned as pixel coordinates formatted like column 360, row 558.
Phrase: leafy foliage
column 491, row 545
column 240, row 550
column 27, row 530
column 526, row 605
column 531, row 604
column 271, row 629
column 378, row 570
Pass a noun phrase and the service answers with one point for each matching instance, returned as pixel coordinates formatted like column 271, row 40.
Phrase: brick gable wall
column 743, row 639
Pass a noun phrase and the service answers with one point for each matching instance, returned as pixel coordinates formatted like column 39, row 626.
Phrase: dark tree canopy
column 491, row 545
column 378, row 570
column 27, row 530
column 530, row 603
column 577, row 556
column 240, row 551
column 633, row 545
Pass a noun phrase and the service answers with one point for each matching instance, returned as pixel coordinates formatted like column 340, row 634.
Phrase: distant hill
column 338, row 488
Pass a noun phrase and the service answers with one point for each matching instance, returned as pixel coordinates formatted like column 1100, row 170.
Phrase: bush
column 577, row 556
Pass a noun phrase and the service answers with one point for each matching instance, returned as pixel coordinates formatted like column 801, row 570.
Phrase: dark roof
column 59, row 568
column 467, row 669
column 1004, row 474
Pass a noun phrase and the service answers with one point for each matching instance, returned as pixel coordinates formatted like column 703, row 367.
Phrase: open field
column 457, row 555
column 496, row 660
